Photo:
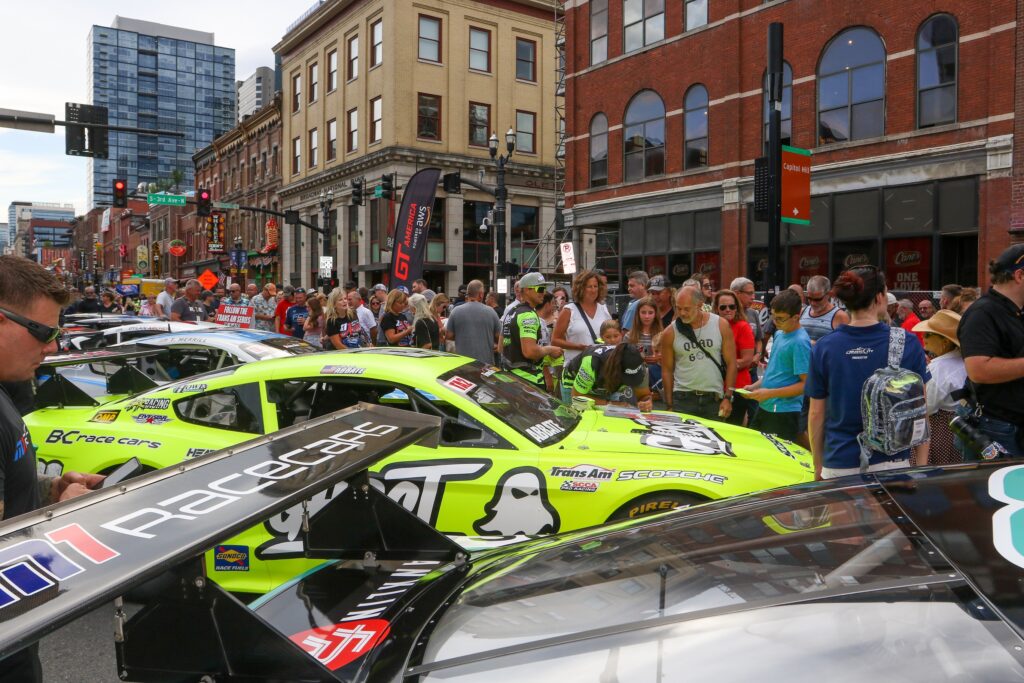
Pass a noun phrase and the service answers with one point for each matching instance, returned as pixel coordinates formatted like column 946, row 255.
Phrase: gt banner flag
column 411, row 228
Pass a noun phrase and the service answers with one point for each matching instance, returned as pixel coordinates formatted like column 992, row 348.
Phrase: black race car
column 907, row 576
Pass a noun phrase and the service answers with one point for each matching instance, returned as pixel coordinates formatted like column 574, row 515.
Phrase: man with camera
column 991, row 334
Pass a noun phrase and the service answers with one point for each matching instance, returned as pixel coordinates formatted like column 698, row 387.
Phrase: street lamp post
column 500, row 195
column 326, row 199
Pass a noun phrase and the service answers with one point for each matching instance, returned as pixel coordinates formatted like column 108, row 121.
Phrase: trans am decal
column 585, row 472
column 673, row 433
column 520, row 506
column 231, row 558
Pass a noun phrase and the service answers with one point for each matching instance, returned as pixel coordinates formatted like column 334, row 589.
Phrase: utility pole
column 771, row 274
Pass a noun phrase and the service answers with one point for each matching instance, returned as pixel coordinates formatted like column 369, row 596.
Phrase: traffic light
column 357, row 192
column 387, row 186
column 453, row 183
column 120, row 193
column 204, row 202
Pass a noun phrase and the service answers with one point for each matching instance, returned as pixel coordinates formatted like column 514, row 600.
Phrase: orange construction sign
column 208, row 280
column 796, row 185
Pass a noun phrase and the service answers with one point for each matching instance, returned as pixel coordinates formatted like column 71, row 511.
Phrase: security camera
column 483, row 228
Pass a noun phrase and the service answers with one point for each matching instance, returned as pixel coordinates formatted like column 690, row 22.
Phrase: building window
column 353, row 57
column 353, row 130
column 480, row 49
column 598, row 31
column 526, row 60
column 376, row 120
column 296, row 92
column 696, row 14
column 430, row 39
column 524, row 231
column 314, row 82
column 695, row 122
column 851, row 87
column 644, row 137
column 313, row 144
column 332, row 140
column 599, row 150
column 377, row 36
column 643, row 23
column 787, row 105
column 936, row 71
column 526, row 127
column 332, row 70
column 479, row 124
column 428, row 117
column 296, row 155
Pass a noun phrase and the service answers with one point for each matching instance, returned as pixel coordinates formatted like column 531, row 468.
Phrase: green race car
column 510, row 461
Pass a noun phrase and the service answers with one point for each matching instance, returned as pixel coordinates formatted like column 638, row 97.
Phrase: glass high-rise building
column 157, row 77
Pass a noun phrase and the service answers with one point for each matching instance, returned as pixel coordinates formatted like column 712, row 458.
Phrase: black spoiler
column 64, row 560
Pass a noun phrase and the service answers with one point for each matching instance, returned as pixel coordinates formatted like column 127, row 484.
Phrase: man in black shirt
column 189, row 308
column 30, row 302
column 89, row 302
column 991, row 336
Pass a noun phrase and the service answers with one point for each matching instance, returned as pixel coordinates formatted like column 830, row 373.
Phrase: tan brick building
column 373, row 87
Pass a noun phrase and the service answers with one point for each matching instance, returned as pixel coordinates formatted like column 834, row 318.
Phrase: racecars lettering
column 687, row 435
column 544, row 430
column 73, row 436
column 583, row 472
column 519, row 506
column 190, row 504
column 189, row 388
column 633, row 475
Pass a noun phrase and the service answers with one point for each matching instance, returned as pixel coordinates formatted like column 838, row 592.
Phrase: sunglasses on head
column 44, row 333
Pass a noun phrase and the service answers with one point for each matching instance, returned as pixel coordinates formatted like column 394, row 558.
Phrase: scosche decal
column 633, row 475
column 586, row 472
column 520, row 506
column 148, row 404
column 105, row 416
column 1007, row 485
column 460, row 384
column 196, row 452
column 579, row 486
column 189, row 388
column 544, row 430
column 151, row 419
column 73, row 436
column 673, row 433
column 342, row 370
column 231, row 558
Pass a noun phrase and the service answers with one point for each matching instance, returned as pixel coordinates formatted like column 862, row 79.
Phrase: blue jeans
column 1006, row 433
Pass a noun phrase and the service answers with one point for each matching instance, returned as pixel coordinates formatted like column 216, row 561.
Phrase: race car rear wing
column 64, row 560
column 58, row 390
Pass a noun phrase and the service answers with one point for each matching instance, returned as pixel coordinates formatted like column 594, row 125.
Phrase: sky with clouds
column 43, row 58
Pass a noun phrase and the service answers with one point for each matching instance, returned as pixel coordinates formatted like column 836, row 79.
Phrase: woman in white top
column 578, row 323
column 946, row 367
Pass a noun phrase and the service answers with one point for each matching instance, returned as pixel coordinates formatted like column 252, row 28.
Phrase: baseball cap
column 633, row 366
column 1010, row 260
column 403, row 289
column 890, row 299
column 298, row 290
column 943, row 323
column 170, row 281
column 657, row 283
column 379, row 288
column 533, row 281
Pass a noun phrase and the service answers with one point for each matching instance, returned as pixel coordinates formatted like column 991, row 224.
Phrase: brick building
column 909, row 113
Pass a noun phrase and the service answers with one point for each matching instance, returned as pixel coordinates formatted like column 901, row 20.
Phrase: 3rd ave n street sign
column 167, row 199
column 796, row 185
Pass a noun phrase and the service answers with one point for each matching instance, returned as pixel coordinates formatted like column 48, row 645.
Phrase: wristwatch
column 729, row 396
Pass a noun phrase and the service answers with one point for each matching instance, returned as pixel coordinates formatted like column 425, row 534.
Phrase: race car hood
column 624, row 431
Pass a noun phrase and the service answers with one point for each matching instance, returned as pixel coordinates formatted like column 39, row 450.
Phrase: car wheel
column 653, row 503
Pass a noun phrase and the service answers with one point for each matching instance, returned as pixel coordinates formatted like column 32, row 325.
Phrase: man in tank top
column 821, row 315
column 698, row 365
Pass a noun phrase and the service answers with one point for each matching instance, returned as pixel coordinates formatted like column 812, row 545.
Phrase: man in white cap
column 165, row 299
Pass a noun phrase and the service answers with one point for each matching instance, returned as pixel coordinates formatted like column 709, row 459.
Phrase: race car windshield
column 828, row 578
column 530, row 411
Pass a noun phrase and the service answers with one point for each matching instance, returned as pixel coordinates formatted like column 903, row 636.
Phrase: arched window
column 787, row 105
column 851, row 87
column 598, row 150
column 644, row 137
column 936, row 71
column 695, row 131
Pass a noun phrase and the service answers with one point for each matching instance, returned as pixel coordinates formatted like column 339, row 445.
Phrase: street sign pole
column 775, row 84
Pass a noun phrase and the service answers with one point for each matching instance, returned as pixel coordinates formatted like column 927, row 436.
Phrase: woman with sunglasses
column 727, row 305
column 707, row 288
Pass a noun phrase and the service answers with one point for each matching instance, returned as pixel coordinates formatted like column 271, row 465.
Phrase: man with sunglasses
column 821, row 315
column 30, row 302
column 520, row 333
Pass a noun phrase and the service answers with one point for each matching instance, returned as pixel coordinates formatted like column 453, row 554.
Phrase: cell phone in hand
column 125, row 471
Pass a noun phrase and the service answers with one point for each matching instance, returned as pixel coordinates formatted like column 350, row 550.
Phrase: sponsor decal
column 231, row 558
column 784, row 449
column 190, row 388
column 653, row 506
column 73, row 436
column 673, row 433
column 633, row 475
column 151, row 419
column 585, row 472
column 488, row 371
column 520, row 506
column 341, row 370
column 544, row 430
column 579, row 486
column 859, row 352
column 196, row 452
column 105, row 416
column 460, row 384
column 1007, row 485
column 148, row 404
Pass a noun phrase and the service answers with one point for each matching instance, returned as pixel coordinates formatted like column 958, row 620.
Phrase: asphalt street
column 82, row 651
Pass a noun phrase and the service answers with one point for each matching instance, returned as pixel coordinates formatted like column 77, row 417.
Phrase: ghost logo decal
column 520, row 506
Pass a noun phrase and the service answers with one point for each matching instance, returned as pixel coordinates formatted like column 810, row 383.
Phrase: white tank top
column 694, row 371
column 577, row 331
